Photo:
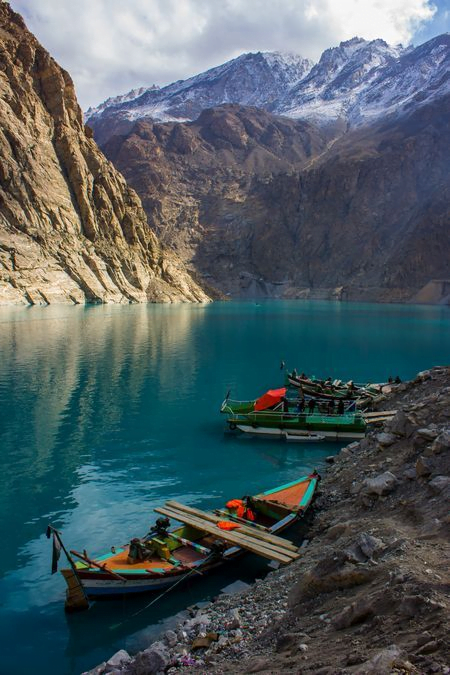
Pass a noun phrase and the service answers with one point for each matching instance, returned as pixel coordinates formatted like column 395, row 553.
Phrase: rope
column 161, row 595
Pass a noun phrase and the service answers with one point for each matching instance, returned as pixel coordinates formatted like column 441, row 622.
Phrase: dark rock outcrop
column 264, row 205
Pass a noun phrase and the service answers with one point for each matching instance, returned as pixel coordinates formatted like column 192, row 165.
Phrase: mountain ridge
column 345, row 84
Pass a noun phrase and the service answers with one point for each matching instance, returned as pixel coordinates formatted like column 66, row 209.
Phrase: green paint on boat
column 309, row 493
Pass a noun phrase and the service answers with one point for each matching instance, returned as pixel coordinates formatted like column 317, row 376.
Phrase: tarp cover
column 270, row 398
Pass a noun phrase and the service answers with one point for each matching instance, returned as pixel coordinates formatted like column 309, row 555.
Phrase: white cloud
column 111, row 46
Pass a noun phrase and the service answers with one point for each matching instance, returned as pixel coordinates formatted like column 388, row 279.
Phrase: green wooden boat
column 336, row 389
column 272, row 416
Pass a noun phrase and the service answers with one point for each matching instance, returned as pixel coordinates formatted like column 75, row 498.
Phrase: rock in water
column 71, row 230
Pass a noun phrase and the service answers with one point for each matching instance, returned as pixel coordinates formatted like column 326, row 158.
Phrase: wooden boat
column 273, row 415
column 167, row 556
column 334, row 390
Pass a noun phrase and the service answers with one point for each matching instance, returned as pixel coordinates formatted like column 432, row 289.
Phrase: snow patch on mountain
column 256, row 79
column 117, row 100
column 358, row 81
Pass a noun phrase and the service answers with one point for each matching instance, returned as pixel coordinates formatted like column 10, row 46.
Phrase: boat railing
column 228, row 403
column 306, row 415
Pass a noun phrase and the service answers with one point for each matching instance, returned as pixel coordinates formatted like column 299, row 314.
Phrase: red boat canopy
column 270, row 398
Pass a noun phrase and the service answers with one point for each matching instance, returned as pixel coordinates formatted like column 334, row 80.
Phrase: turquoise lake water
column 106, row 412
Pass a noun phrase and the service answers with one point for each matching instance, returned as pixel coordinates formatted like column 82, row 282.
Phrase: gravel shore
column 369, row 593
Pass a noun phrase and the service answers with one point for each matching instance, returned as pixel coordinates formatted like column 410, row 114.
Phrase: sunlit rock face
column 71, row 230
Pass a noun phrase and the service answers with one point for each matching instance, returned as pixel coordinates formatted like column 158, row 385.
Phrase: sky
column 112, row 46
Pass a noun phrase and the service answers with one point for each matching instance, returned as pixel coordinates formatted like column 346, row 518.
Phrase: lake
column 108, row 411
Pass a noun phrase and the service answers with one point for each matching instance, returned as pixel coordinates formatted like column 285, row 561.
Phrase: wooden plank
column 201, row 523
column 269, row 551
column 232, row 516
column 376, row 413
column 236, row 539
column 243, row 529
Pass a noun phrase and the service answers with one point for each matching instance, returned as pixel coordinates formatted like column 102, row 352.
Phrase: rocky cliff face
column 71, row 230
column 190, row 176
column 266, row 206
column 368, row 219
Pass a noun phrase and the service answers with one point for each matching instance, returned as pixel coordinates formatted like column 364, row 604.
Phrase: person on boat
column 303, row 376
column 311, row 405
column 301, row 405
column 351, row 386
column 139, row 551
column 285, row 403
column 340, row 407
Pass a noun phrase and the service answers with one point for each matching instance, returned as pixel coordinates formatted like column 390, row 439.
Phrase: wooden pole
column 188, row 542
column 103, row 567
column 76, row 598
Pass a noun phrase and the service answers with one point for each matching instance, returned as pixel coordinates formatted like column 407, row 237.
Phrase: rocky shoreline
column 370, row 592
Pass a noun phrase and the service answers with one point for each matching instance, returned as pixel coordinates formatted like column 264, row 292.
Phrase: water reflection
column 76, row 378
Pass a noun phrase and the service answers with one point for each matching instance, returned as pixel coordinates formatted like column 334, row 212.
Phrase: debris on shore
column 369, row 593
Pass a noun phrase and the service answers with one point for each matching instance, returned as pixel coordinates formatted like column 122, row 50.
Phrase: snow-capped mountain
column 334, row 85
column 251, row 79
column 362, row 81
column 357, row 82
column 117, row 100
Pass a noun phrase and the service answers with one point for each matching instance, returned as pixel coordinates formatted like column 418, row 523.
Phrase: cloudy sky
column 112, row 46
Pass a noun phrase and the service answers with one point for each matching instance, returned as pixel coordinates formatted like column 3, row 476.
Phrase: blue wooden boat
column 166, row 556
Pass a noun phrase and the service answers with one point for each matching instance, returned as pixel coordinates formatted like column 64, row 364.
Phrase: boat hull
column 349, row 426
column 273, row 432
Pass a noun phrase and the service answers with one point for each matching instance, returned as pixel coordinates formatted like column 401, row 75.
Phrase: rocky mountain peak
column 341, row 87
column 253, row 78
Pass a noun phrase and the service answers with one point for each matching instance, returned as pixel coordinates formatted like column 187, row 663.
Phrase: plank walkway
column 378, row 416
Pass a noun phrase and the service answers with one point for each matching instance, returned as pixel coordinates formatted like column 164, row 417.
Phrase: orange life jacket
column 227, row 525
column 242, row 511
column 234, row 503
